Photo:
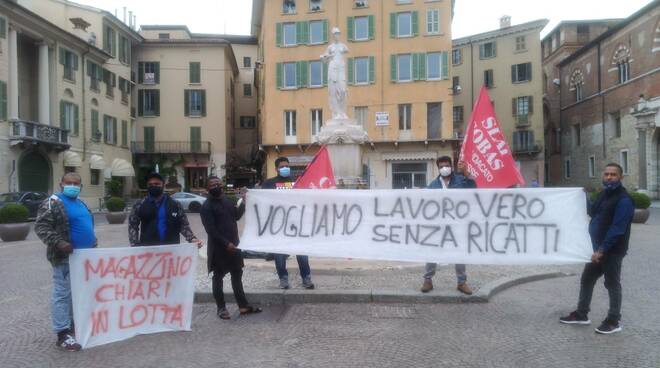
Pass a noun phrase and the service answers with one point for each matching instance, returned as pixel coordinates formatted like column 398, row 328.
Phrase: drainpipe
column 602, row 101
column 84, row 98
column 471, row 74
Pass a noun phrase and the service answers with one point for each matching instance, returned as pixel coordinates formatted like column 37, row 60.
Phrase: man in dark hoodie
column 611, row 217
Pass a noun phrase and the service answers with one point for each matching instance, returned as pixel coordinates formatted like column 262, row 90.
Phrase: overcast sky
column 472, row 16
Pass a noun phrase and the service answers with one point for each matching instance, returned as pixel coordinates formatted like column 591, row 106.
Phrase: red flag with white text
column 318, row 174
column 485, row 150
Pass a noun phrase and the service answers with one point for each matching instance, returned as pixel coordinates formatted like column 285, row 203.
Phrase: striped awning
column 410, row 156
column 121, row 167
column 97, row 162
column 72, row 159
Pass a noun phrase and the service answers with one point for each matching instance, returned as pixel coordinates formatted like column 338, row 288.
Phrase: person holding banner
column 611, row 218
column 449, row 180
column 64, row 223
column 157, row 219
column 219, row 217
column 283, row 180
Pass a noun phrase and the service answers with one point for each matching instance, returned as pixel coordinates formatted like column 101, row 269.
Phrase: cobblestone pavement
column 518, row 328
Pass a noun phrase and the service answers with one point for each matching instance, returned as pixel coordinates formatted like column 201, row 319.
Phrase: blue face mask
column 71, row 191
column 285, row 172
column 609, row 186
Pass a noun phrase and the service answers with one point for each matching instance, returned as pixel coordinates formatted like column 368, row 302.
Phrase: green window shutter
column 95, row 124
column 372, row 27
column 415, row 23
column 3, row 100
column 140, row 72
column 392, row 25
column 494, row 49
column 299, row 33
column 351, row 71
column 482, row 51
column 350, row 25
column 279, row 71
column 75, row 120
column 105, row 128
column 195, row 138
column 75, row 61
column 372, row 69
column 157, row 72
column 114, row 131
column 157, row 102
column 203, row 102
column 3, row 28
column 99, row 72
column 305, row 27
column 90, row 71
column 445, row 65
column 62, row 56
column 393, row 68
column 113, row 39
column 325, row 30
column 186, row 102
column 124, row 133
column 415, row 66
column 278, row 34
column 530, row 103
column 514, row 106
column 529, row 71
column 325, row 74
column 106, row 43
column 514, row 70
column 62, row 115
column 301, row 74
column 140, row 102
column 194, row 71
column 422, row 66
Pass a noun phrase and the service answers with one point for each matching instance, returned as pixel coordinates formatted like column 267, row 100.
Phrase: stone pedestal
column 344, row 139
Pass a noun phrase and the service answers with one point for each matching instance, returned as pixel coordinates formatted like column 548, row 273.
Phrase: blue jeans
column 303, row 265
column 61, row 305
column 461, row 275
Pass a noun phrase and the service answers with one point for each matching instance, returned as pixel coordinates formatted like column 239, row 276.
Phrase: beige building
column 508, row 62
column 398, row 74
column 65, row 72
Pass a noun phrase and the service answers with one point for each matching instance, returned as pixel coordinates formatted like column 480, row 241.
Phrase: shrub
column 114, row 188
column 594, row 195
column 13, row 214
column 640, row 200
column 115, row 204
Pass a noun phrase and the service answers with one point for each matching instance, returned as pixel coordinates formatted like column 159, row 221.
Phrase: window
column 583, row 33
column 409, row 175
column 592, row 166
column 110, row 129
column 434, row 66
column 124, row 50
column 487, row 50
column 110, row 80
column 434, row 120
column 567, row 168
column 109, row 40
column 247, row 62
column 455, row 85
column 248, row 122
column 361, row 25
column 521, row 72
column 69, row 117
column 361, row 115
column 403, row 1
column 488, row 78
column 623, row 161
column 577, row 134
column 315, row 5
column 70, row 62
column 94, row 177
column 456, row 56
column 164, row 36
column 317, row 32
column 289, row 34
column 289, row 6
column 405, row 116
column 148, row 102
column 316, row 74
column 578, row 92
column 433, row 21
column 194, row 71
column 624, row 70
column 195, row 102
column 404, row 24
column 458, row 114
column 124, row 133
column 149, row 72
column 95, row 73
column 616, row 118
column 316, row 121
column 523, row 141
column 247, row 90
column 125, row 89
column 522, row 107
column 290, row 126
column 362, row 70
column 290, row 77
column 577, row 84
column 521, row 43
column 404, row 68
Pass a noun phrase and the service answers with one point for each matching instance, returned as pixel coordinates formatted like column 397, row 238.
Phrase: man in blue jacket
column 611, row 217
column 449, row 180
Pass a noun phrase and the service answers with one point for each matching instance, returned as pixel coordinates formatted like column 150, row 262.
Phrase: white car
column 189, row 201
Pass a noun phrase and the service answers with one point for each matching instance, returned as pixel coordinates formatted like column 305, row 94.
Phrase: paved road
column 518, row 328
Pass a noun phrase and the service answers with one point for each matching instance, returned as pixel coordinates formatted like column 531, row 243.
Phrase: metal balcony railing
column 531, row 148
column 147, row 147
column 30, row 131
column 523, row 121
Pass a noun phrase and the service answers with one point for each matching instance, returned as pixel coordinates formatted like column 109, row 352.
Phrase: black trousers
column 610, row 266
column 236, row 285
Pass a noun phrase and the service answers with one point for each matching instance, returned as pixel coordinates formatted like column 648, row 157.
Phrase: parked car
column 189, row 201
column 31, row 200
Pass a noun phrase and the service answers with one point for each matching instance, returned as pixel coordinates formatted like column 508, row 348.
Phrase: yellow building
column 508, row 62
column 398, row 75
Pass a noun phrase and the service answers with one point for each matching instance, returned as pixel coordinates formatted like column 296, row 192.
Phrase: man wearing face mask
column 611, row 217
column 449, row 180
column 283, row 180
column 64, row 223
column 219, row 216
column 157, row 219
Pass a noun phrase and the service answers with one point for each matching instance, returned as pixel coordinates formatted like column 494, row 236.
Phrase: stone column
column 44, row 85
column 12, row 107
column 645, row 125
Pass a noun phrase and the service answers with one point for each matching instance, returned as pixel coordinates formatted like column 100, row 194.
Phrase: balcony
column 29, row 133
column 171, row 147
column 523, row 121
column 527, row 149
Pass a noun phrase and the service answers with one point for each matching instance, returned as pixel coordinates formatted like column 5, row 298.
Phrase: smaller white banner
column 382, row 119
column 122, row 292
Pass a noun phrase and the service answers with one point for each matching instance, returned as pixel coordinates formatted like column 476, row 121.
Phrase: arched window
column 577, row 83
column 621, row 60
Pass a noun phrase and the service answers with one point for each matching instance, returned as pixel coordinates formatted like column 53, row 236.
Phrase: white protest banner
column 122, row 292
column 471, row 226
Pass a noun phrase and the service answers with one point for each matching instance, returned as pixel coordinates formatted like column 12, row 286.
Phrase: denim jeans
column 610, row 266
column 61, row 305
column 303, row 265
column 461, row 275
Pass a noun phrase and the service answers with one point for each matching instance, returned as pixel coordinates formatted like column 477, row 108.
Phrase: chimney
column 505, row 21
column 124, row 19
column 130, row 19
column 134, row 21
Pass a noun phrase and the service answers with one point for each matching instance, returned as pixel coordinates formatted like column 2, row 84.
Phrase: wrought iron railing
column 41, row 133
column 530, row 148
column 172, row 147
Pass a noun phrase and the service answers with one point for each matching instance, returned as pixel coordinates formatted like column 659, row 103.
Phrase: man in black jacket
column 611, row 218
column 219, row 216
column 157, row 219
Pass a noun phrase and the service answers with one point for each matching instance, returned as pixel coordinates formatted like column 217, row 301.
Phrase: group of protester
column 64, row 223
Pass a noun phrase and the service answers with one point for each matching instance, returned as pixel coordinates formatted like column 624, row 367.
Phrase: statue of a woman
column 337, row 88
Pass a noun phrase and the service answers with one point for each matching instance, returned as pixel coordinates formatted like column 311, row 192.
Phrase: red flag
column 485, row 151
column 318, row 174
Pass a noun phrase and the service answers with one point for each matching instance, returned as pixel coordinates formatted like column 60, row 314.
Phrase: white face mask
column 445, row 171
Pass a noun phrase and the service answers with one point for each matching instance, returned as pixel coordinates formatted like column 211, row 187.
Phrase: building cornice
column 520, row 28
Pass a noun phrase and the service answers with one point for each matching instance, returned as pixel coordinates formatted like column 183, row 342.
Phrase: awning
column 121, row 167
column 196, row 164
column 97, row 162
column 410, row 156
column 72, row 159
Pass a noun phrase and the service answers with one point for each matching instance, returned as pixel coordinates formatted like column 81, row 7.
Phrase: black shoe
column 66, row 341
column 608, row 327
column 575, row 318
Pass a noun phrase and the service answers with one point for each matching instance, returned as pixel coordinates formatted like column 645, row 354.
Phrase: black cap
column 155, row 175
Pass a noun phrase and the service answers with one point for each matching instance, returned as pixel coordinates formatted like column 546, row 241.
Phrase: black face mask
column 155, row 191
column 216, row 192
